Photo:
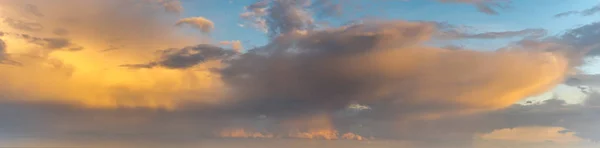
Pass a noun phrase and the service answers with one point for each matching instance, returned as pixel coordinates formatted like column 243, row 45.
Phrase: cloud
column 453, row 32
column 3, row 54
column 375, row 79
column 187, row 57
column 585, row 82
column 591, row 11
column 484, row 6
column 576, row 118
column 533, row 135
column 60, row 31
column 576, row 44
column 200, row 23
column 288, row 16
column 255, row 14
column 33, row 9
column 134, row 26
column 277, row 17
column 173, row 6
column 23, row 25
column 50, row 43
column 236, row 45
column 327, row 8
column 325, row 71
column 565, row 14
column 583, row 38
column 586, row 12
column 140, row 127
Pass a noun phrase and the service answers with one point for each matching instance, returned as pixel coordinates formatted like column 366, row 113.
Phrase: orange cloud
column 201, row 23
column 241, row 133
column 111, row 33
column 533, row 134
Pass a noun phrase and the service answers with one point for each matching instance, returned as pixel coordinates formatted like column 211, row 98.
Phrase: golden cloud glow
column 92, row 76
column 533, row 134
column 322, row 134
column 241, row 133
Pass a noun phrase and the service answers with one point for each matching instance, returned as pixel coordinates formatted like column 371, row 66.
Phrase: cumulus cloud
column 200, row 23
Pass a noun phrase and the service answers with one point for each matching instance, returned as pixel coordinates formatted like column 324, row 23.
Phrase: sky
column 300, row 73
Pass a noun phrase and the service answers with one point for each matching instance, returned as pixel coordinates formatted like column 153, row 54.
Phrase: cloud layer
column 119, row 72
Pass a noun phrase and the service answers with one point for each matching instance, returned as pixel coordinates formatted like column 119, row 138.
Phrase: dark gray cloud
column 51, row 43
column 172, row 6
column 23, row 25
column 280, row 79
column 577, row 44
column 324, row 71
column 585, row 82
column 584, row 38
column 186, row 57
column 33, row 9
